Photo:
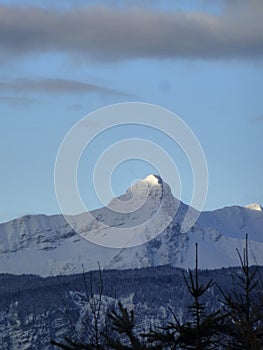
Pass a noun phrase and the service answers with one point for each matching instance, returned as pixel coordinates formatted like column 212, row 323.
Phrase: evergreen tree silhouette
column 244, row 308
column 201, row 331
column 123, row 324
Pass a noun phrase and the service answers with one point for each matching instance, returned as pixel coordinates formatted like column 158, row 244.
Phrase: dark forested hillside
column 34, row 310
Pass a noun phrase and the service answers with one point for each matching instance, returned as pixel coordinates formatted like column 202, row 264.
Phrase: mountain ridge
column 48, row 245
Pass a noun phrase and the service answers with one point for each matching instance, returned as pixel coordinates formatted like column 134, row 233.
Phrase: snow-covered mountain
column 48, row 245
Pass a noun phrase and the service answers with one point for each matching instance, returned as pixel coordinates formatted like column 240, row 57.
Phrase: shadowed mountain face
column 48, row 245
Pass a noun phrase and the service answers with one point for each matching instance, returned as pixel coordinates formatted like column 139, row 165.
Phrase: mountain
column 48, row 245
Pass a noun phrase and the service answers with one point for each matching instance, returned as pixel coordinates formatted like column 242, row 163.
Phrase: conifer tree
column 244, row 308
column 123, row 324
column 201, row 331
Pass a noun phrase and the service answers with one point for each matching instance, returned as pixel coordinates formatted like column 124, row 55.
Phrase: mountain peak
column 254, row 206
column 151, row 185
column 149, row 195
column 153, row 180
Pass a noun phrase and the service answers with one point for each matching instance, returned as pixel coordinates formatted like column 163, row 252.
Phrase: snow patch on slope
column 254, row 206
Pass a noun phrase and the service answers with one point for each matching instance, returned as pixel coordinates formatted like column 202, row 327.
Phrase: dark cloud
column 53, row 86
column 110, row 34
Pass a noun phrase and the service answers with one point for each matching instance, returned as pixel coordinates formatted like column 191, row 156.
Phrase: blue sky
column 200, row 59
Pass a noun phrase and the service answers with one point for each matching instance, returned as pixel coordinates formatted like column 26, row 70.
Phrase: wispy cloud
column 17, row 101
column 110, row 34
column 258, row 119
column 59, row 86
column 75, row 107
